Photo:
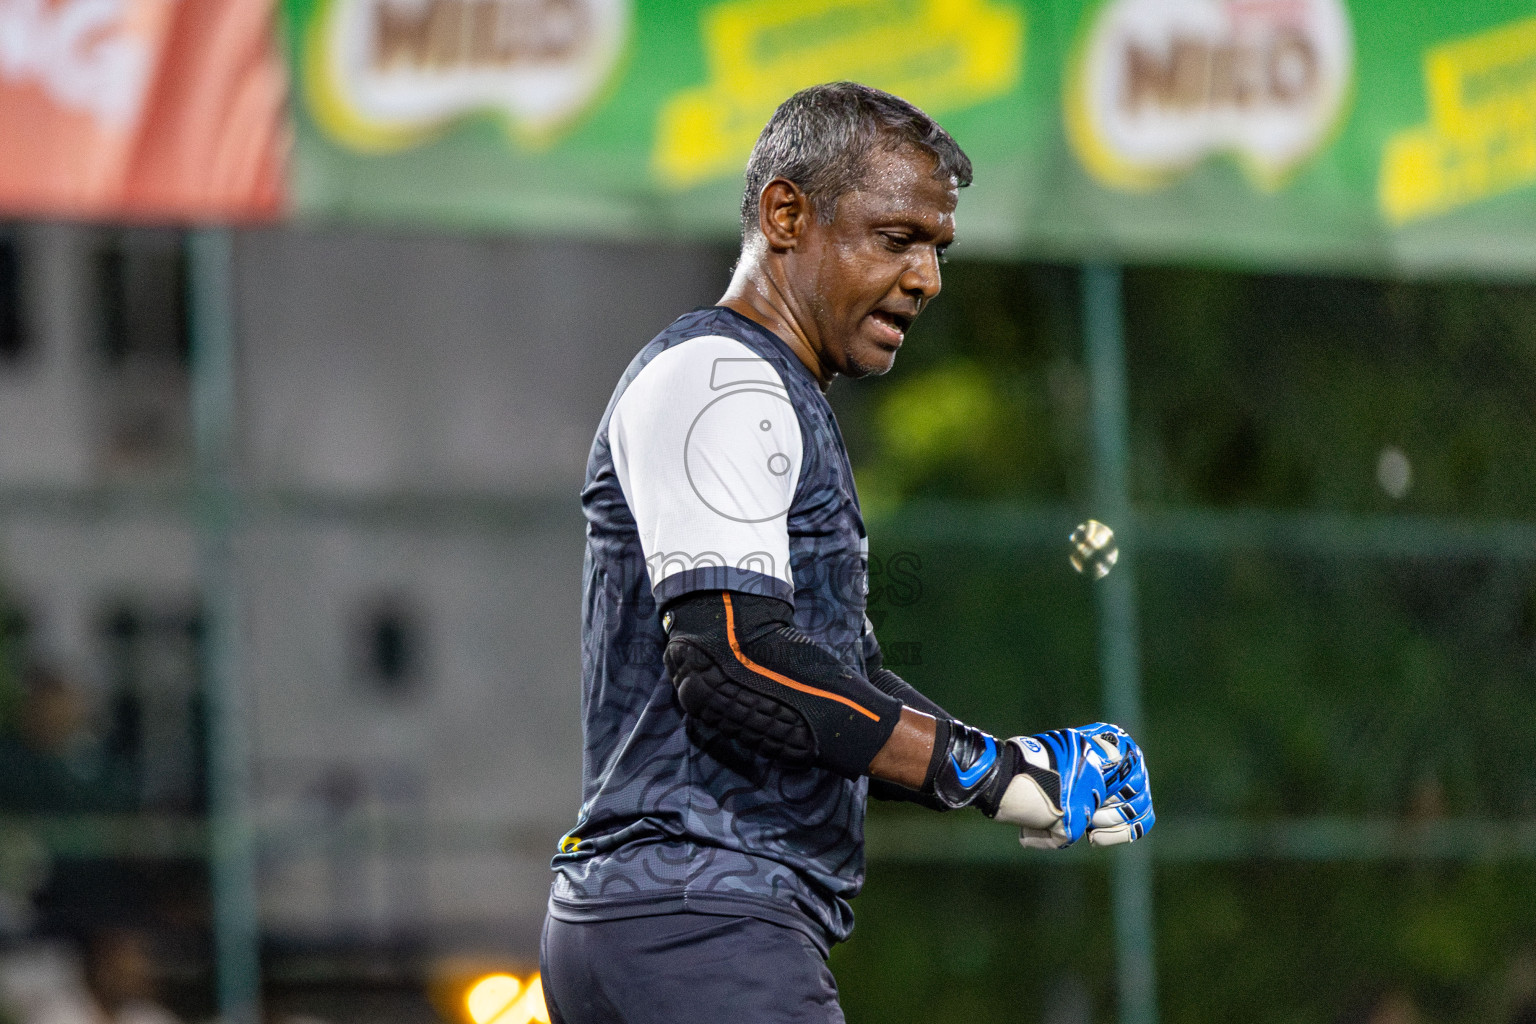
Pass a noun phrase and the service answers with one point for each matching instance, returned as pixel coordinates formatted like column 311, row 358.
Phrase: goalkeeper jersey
column 718, row 464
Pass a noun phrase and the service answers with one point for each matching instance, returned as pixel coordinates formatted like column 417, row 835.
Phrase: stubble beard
column 858, row 368
column 861, row 370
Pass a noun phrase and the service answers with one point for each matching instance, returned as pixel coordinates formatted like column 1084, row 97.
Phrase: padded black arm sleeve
column 742, row 670
column 891, row 683
column 909, row 695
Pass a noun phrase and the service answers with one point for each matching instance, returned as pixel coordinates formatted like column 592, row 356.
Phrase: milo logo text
column 1160, row 85
column 389, row 74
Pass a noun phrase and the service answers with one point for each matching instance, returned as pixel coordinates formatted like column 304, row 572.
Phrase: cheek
column 851, row 277
column 869, row 279
column 837, row 284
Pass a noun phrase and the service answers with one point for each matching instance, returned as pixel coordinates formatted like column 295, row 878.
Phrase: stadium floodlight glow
column 502, row 999
column 489, row 999
column 531, row 1007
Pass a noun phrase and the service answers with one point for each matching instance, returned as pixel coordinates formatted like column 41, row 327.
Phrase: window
column 143, row 343
column 13, row 328
column 141, row 279
column 155, row 731
column 388, row 646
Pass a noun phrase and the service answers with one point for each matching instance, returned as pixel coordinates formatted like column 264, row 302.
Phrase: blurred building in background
column 414, row 419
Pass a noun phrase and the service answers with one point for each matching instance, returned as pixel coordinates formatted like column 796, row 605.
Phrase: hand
column 1073, row 782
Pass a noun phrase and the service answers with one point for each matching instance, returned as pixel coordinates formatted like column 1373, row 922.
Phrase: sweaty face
column 865, row 276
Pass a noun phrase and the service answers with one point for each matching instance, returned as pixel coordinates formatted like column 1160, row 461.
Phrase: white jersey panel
column 707, row 450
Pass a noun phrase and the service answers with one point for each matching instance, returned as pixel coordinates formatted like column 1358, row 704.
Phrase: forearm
column 907, row 757
column 902, row 758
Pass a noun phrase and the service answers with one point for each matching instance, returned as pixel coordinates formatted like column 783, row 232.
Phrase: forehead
column 900, row 182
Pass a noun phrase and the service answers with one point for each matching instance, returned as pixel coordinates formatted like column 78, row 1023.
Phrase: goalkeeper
column 736, row 713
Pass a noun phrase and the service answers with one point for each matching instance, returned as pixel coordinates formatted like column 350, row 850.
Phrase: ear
column 783, row 211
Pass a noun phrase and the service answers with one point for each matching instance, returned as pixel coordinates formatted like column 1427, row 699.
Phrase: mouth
column 892, row 326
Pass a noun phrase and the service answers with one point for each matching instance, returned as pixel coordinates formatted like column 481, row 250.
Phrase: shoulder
column 702, row 357
column 711, row 362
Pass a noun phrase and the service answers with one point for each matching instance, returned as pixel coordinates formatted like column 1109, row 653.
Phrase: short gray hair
column 820, row 139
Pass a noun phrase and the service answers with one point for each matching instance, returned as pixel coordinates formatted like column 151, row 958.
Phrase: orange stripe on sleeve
column 752, row 666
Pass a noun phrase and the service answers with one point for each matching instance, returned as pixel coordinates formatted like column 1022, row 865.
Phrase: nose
column 921, row 279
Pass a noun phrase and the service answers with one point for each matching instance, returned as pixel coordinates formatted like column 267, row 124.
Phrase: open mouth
column 894, row 323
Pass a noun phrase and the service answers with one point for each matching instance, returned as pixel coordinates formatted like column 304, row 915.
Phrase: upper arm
column 707, row 450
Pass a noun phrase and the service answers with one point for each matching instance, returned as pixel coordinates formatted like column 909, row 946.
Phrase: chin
column 870, row 364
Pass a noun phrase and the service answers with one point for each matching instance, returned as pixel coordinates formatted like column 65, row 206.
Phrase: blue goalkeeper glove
column 1056, row 786
column 1093, row 780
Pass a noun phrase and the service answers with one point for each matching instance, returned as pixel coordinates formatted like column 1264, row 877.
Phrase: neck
column 758, row 292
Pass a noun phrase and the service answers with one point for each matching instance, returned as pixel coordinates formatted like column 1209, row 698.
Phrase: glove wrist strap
column 943, row 728
column 990, row 797
column 966, row 767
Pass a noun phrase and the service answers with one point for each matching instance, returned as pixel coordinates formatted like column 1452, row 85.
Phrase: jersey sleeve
column 707, row 449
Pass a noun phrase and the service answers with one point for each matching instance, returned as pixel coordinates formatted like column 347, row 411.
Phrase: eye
column 896, row 240
column 943, row 253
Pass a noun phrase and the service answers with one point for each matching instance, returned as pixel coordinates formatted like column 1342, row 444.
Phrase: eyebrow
column 918, row 224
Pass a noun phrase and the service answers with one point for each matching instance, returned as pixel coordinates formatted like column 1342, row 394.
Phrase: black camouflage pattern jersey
column 718, row 464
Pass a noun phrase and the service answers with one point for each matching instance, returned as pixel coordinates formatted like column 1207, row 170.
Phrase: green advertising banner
column 1358, row 135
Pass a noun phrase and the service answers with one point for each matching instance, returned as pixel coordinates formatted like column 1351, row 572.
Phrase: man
column 734, row 702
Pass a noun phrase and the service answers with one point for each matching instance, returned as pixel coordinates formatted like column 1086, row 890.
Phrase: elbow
column 718, row 706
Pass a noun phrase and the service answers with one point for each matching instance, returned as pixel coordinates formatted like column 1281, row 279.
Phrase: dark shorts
column 684, row 969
